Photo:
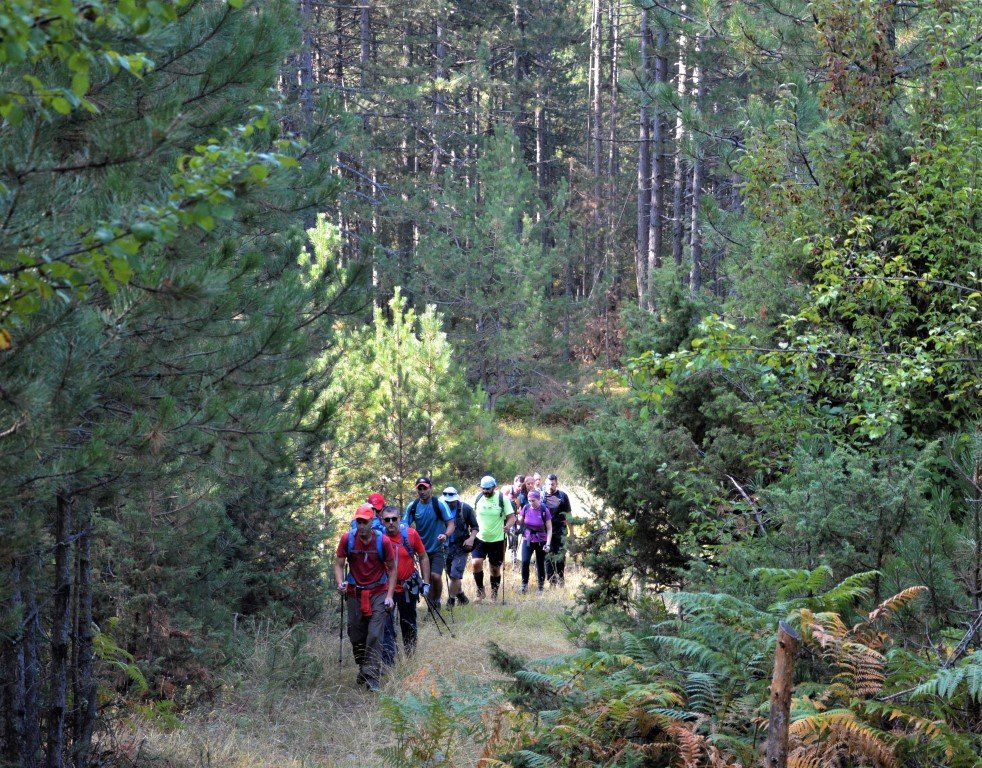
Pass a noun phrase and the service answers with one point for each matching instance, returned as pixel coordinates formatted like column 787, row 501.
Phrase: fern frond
column 691, row 649
column 849, row 590
column 893, row 604
column 790, row 581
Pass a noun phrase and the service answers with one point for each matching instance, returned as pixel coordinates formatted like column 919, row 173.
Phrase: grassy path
column 288, row 704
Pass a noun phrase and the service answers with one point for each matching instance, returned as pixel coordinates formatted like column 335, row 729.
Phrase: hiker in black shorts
column 459, row 545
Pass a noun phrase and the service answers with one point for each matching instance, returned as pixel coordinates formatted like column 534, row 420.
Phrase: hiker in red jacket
column 369, row 588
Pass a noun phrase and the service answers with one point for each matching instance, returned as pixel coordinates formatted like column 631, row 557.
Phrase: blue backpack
column 379, row 551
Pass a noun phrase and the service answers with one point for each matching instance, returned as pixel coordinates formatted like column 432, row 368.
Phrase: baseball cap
column 424, row 481
column 488, row 482
column 551, row 476
column 365, row 512
column 377, row 500
column 450, row 493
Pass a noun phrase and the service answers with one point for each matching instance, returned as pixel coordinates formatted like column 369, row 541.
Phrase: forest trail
column 288, row 704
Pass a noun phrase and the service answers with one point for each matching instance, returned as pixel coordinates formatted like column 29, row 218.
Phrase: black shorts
column 494, row 551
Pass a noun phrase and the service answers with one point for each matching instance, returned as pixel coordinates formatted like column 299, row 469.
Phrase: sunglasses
column 390, row 519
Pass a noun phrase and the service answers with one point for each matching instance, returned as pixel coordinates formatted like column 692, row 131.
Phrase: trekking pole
column 341, row 634
column 435, row 613
column 502, row 586
column 429, row 608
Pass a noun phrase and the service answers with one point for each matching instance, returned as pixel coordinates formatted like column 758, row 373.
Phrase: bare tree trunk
column 644, row 175
column 520, row 75
column 84, row 684
column 59, row 629
column 12, row 670
column 613, row 155
column 657, row 214
column 695, row 236
column 596, row 116
column 31, row 749
column 782, row 686
column 678, row 184
column 439, row 104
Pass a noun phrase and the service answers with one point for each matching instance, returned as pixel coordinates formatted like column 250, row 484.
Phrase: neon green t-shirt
column 491, row 515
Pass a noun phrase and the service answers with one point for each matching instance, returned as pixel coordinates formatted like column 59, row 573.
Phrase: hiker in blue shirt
column 434, row 522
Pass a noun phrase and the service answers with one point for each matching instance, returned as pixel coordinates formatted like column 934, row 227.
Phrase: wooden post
column 782, row 686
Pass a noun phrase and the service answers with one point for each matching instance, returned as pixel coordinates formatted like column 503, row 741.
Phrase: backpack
column 433, row 503
column 378, row 545
column 381, row 556
column 501, row 503
column 376, row 526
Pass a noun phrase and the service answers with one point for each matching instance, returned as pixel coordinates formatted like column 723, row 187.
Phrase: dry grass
column 263, row 720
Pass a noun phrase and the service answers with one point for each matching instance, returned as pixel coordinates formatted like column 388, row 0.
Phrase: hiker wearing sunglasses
column 368, row 588
column 460, row 545
column 434, row 522
column 408, row 546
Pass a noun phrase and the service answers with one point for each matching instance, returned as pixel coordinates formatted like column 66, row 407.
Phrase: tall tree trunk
column 613, row 155
column 695, row 236
column 644, row 175
column 439, row 104
column 306, row 65
column 31, row 748
column 657, row 216
column 60, row 617
column 596, row 119
column 12, row 669
column 83, row 679
column 678, row 182
column 520, row 75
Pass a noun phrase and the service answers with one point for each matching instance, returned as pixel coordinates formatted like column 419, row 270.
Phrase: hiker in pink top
column 538, row 531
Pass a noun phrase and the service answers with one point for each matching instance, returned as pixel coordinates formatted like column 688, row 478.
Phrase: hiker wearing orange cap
column 369, row 588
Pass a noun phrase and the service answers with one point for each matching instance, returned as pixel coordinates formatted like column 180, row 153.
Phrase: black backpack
column 501, row 504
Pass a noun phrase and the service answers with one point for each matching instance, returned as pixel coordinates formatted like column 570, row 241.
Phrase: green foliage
column 697, row 685
column 77, row 248
column 404, row 406
column 434, row 729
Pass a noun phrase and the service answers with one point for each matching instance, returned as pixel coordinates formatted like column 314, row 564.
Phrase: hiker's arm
column 339, row 574
column 451, row 523
column 424, row 566
column 391, row 584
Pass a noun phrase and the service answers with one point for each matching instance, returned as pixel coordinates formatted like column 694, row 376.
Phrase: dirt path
column 288, row 704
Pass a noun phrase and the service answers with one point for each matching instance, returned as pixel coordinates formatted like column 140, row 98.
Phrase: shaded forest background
column 260, row 259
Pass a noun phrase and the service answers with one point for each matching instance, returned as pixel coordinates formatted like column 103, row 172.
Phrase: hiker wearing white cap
column 459, row 545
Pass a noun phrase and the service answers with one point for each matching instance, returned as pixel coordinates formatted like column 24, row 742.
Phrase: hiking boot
column 437, row 605
column 480, row 596
column 451, row 602
column 540, row 592
column 494, row 595
column 373, row 686
column 524, row 590
column 462, row 599
column 361, row 679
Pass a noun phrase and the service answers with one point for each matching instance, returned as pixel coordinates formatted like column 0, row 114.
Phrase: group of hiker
column 391, row 557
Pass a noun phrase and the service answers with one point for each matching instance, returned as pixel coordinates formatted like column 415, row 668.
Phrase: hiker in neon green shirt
column 494, row 513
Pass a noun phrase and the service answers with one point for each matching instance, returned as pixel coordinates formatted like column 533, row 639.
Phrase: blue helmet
column 488, row 482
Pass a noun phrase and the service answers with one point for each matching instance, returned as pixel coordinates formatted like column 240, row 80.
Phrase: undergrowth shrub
column 693, row 688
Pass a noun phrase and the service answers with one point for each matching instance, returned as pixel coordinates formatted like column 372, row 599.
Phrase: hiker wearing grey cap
column 459, row 545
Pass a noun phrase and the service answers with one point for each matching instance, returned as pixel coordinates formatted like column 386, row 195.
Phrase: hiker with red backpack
column 409, row 583
column 368, row 588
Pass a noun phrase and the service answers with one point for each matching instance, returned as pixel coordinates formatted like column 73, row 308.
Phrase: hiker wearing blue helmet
column 494, row 514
